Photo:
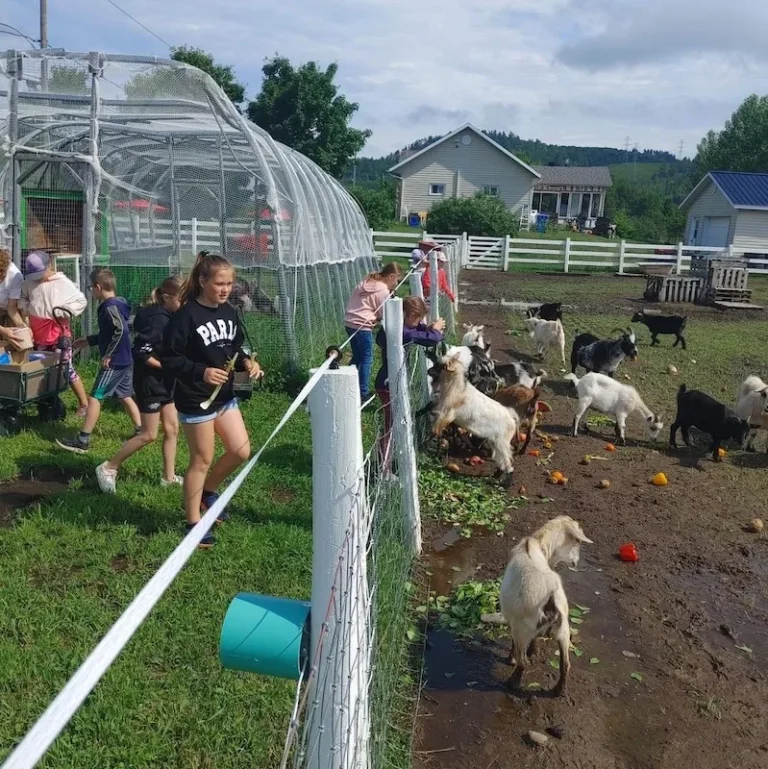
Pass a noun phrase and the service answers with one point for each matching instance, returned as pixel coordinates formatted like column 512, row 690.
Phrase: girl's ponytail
column 169, row 287
column 205, row 265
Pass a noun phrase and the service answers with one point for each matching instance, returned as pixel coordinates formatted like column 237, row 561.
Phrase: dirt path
column 676, row 618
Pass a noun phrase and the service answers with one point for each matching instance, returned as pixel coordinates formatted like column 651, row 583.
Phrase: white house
column 571, row 191
column 459, row 165
column 729, row 207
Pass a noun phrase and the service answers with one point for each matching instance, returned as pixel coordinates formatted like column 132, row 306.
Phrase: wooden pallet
column 734, row 295
column 672, row 288
column 722, row 305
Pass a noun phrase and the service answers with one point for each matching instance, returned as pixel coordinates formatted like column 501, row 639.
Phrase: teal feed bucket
column 266, row 635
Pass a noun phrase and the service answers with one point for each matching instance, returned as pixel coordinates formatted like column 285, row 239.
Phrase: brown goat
column 524, row 402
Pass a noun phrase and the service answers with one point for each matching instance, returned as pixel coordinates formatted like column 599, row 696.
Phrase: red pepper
column 628, row 552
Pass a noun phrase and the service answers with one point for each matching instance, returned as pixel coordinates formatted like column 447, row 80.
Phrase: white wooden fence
column 567, row 255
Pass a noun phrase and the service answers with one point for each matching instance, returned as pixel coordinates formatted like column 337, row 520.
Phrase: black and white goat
column 662, row 324
column 697, row 409
column 546, row 311
column 608, row 396
column 602, row 356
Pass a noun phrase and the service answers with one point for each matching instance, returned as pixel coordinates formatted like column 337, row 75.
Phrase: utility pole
column 43, row 44
column 680, row 150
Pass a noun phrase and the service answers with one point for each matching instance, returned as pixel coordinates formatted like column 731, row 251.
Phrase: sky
column 656, row 72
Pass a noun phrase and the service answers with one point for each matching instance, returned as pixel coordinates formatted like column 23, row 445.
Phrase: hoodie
column 39, row 297
column 114, row 338
column 422, row 335
column 149, row 325
column 366, row 305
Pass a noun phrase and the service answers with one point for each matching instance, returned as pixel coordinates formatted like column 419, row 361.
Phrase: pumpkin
column 721, row 452
column 610, row 447
column 556, row 476
column 659, row 479
column 521, row 437
column 534, row 452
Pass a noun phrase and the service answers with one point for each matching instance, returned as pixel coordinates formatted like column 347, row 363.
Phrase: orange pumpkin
column 659, row 479
column 534, row 452
column 556, row 476
column 610, row 447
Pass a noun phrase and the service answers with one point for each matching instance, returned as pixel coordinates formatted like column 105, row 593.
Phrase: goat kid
column 473, row 336
column 752, row 405
column 697, row 409
column 532, row 597
column 546, row 311
column 460, row 403
column 602, row 356
column 608, row 396
column 662, row 324
column 546, row 334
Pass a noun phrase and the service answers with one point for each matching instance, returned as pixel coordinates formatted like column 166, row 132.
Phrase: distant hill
column 370, row 170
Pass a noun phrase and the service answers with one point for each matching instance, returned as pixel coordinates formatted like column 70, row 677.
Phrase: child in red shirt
column 443, row 287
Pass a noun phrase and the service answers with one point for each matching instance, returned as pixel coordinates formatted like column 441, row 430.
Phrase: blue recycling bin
column 541, row 222
column 414, row 220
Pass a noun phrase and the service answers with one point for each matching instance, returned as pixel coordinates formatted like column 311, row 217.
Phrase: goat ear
column 466, row 326
column 574, row 529
column 650, row 419
column 480, row 328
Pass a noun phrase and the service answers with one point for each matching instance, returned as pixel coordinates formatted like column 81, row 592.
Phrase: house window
column 545, row 202
column 563, row 212
column 437, row 189
column 491, row 189
column 595, row 209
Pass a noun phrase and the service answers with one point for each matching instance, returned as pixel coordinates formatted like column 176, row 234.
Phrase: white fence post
column 193, row 235
column 679, row 266
column 339, row 729
column 402, row 423
column 434, row 288
column 505, row 258
column 567, row 255
column 622, row 254
column 414, row 283
column 464, row 249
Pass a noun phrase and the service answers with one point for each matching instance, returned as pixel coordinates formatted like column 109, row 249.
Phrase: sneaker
column 207, row 542
column 80, row 413
column 106, row 478
column 177, row 480
column 207, row 502
column 76, row 445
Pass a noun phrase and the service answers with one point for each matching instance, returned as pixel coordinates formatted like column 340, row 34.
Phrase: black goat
column 602, row 356
column 662, row 324
column 547, row 311
column 697, row 409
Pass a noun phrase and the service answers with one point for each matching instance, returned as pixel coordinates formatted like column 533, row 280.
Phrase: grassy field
column 70, row 564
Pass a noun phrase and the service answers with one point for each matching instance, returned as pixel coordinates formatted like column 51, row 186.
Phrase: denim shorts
column 198, row 419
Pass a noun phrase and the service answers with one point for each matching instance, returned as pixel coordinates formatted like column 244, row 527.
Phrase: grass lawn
column 70, row 564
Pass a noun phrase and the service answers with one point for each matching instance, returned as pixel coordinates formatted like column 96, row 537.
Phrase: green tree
column 742, row 145
column 481, row 215
column 302, row 107
column 378, row 203
column 68, row 80
column 222, row 74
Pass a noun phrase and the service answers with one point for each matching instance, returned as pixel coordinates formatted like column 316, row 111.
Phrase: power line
column 136, row 21
column 17, row 33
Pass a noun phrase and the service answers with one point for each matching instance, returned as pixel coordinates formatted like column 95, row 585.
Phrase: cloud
column 564, row 71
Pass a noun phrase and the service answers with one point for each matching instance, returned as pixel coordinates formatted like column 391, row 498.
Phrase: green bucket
column 266, row 635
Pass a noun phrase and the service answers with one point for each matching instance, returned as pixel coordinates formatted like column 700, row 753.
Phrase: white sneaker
column 177, row 480
column 106, row 478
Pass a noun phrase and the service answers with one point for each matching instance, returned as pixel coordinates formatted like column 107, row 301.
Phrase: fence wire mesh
column 138, row 163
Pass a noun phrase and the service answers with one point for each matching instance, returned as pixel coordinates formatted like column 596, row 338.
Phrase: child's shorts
column 198, row 419
column 113, row 383
column 66, row 357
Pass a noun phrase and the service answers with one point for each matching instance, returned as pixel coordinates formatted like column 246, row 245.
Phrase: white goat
column 546, row 334
column 604, row 394
column 532, row 598
column 752, row 405
column 461, row 353
column 460, row 403
column 473, row 336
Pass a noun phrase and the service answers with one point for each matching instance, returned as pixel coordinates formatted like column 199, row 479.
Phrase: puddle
column 452, row 564
column 36, row 483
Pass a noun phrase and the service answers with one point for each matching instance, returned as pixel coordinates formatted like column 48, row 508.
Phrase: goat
column 546, row 334
column 602, row 356
column 473, row 336
column 524, row 401
column 662, row 324
column 460, row 403
column 518, row 372
column 752, row 405
column 697, row 409
column 546, row 311
column 532, row 598
column 604, row 394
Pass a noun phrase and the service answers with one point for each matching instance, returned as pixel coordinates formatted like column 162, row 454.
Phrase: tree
column 301, row 107
column 68, row 80
column 742, row 145
column 222, row 74
column 482, row 215
column 378, row 203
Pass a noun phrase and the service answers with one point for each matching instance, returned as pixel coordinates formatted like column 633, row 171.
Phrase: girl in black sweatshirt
column 153, row 395
column 200, row 342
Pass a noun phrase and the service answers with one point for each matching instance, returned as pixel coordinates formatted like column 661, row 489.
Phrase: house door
column 715, row 231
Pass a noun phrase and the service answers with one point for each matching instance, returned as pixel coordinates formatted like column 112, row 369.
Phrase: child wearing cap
column 420, row 255
column 43, row 290
column 443, row 287
column 115, row 377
